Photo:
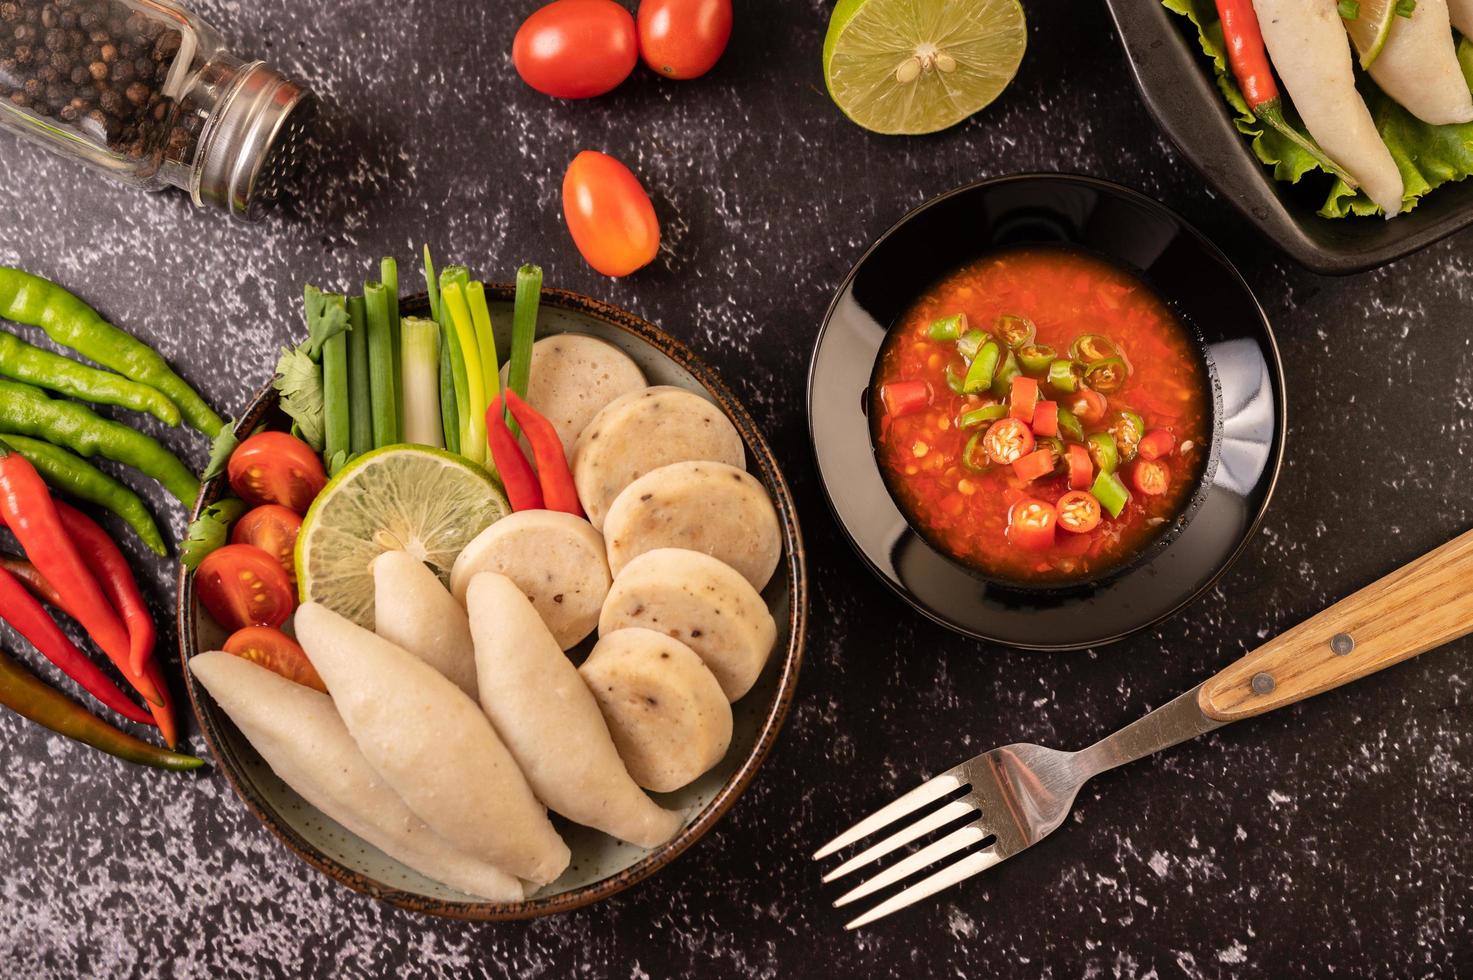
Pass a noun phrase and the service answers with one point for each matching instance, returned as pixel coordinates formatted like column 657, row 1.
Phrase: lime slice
column 917, row 66
column 1370, row 28
column 425, row 501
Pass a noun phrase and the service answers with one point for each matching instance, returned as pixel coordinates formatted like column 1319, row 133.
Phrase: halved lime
column 917, row 66
column 1370, row 28
column 425, row 501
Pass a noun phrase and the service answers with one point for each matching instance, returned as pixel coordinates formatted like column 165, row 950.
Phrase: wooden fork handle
column 1417, row 607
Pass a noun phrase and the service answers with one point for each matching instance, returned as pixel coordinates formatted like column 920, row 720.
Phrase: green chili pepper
column 1015, row 331
column 1111, row 493
column 1107, row 376
column 27, row 695
column 981, row 416
column 948, row 327
column 1127, row 430
column 1002, row 381
column 1054, row 445
column 1064, row 376
column 1102, row 451
column 78, row 478
column 68, row 321
column 979, row 374
column 974, row 456
column 1093, row 347
column 970, row 343
column 1069, row 426
column 24, row 362
column 1036, row 358
column 27, row 410
column 954, row 380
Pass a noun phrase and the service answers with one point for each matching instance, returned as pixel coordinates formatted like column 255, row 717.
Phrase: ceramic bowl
column 1201, row 287
column 601, row 866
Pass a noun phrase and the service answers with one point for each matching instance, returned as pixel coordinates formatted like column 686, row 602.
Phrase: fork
column 1008, row 799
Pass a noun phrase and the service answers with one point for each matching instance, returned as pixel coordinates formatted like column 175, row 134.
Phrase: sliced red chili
column 1023, row 398
column 1031, row 524
column 1046, row 418
column 1088, row 405
column 1081, row 468
column 1156, row 443
column 1038, row 463
column 1151, row 477
column 1079, row 512
column 903, row 398
column 1007, row 441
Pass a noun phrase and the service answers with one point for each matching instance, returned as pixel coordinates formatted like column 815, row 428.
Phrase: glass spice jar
column 145, row 90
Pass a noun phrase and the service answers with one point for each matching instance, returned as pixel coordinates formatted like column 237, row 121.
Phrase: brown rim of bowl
column 765, row 463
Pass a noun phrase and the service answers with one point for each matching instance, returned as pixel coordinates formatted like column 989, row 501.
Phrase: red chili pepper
column 558, row 492
column 516, row 473
column 1246, row 52
column 903, row 398
column 163, row 714
column 27, row 508
column 103, row 557
column 21, row 610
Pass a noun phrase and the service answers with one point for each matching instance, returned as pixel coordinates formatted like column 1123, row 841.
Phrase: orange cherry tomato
column 277, row 652
column 241, row 585
column 576, row 49
column 1008, row 441
column 276, row 468
column 1031, row 524
column 1079, row 512
column 1150, row 476
column 683, row 38
column 1155, row 444
column 1081, row 467
column 1088, row 405
column 609, row 215
column 272, row 528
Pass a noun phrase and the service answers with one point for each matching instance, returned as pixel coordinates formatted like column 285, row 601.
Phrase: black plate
column 1177, row 85
column 1185, row 269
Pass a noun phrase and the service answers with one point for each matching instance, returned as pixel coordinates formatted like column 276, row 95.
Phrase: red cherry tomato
column 1079, row 512
column 610, row 216
column 1007, row 441
column 277, row 652
column 683, row 38
column 1155, row 444
column 1150, row 476
column 1081, row 467
column 241, row 586
column 576, row 49
column 1031, row 524
column 272, row 528
column 275, row 468
column 1088, row 405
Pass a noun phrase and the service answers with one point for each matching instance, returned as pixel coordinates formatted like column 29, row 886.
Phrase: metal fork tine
column 968, row 866
column 927, row 792
column 951, row 811
column 955, row 841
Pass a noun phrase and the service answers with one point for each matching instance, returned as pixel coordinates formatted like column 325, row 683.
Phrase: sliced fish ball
column 670, row 719
column 643, row 431
column 1311, row 53
column 700, row 506
column 415, row 612
column 556, row 559
column 574, row 376
column 532, row 693
column 304, row 741
column 433, row 746
column 1419, row 67
column 700, row 601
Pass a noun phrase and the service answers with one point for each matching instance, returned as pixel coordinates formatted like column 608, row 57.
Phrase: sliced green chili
column 1111, row 493
column 979, row 374
column 1093, row 347
column 1102, row 451
column 970, row 343
column 953, row 380
column 1127, row 430
column 1002, row 381
column 1069, row 426
column 948, row 327
column 1015, row 331
column 1107, row 376
column 1064, row 376
column 974, row 456
column 981, row 416
column 1036, row 358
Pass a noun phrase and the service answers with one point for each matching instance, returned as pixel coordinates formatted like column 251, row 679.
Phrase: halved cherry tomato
column 272, row 528
column 1081, row 468
column 609, row 215
column 1031, row 524
column 683, row 38
column 241, row 586
column 1079, row 512
column 576, row 49
column 1008, row 441
column 1046, row 418
column 1155, row 444
column 1150, row 476
column 1038, row 463
column 1023, row 398
column 277, row 652
column 1088, row 405
column 275, row 468
column 903, row 398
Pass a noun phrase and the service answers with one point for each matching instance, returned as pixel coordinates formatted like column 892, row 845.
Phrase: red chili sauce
column 1053, row 430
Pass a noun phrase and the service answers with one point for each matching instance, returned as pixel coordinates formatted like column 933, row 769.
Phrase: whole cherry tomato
column 576, row 49
column 609, row 215
column 683, row 38
column 275, row 468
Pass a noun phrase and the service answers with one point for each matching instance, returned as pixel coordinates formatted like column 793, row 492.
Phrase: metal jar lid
column 252, row 141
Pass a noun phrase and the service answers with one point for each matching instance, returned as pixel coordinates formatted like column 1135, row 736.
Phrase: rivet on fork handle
column 1263, row 683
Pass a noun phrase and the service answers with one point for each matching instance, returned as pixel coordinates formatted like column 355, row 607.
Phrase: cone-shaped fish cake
column 414, row 611
column 1419, row 67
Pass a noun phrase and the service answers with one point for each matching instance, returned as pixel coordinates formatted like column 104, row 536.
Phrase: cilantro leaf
column 209, row 531
column 299, row 381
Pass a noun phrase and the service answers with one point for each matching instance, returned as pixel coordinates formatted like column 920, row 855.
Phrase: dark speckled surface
column 1334, row 838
